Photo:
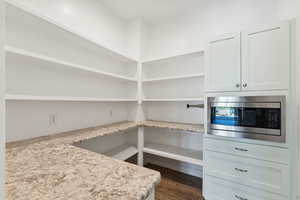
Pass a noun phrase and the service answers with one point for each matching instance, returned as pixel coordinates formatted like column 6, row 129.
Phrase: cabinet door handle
column 241, row 170
column 237, row 85
column 239, row 197
column 245, row 85
column 240, row 149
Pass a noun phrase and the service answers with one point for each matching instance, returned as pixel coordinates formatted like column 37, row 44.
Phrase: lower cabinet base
column 151, row 195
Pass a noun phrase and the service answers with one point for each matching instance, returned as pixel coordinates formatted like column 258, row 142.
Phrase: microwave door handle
column 242, row 116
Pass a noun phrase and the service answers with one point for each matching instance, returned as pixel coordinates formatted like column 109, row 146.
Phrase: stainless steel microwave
column 261, row 117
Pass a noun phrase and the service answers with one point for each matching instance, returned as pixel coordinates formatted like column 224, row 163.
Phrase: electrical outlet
column 52, row 119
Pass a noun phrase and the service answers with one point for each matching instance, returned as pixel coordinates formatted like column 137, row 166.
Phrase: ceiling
column 150, row 10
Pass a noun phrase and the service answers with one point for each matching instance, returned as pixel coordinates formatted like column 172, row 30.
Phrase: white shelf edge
column 173, row 156
column 174, row 77
column 60, row 98
column 175, row 100
column 150, row 60
column 10, row 49
column 122, row 152
column 68, row 29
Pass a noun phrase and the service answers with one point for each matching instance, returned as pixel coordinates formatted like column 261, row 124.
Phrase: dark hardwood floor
column 177, row 186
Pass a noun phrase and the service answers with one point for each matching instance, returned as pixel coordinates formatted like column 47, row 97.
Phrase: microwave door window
column 268, row 118
column 225, row 116
column 250, row 116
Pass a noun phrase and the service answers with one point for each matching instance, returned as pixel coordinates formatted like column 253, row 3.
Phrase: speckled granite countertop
column 175, row 126
column 51, row 168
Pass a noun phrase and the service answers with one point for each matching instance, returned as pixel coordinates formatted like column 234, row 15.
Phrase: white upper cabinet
column 266, row 57
column 223, row 70
column 259, row 60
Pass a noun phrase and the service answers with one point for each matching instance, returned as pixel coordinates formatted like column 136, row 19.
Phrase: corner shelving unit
column 52, row 62
column 169, row 83
column 51, row 69
column 48, row 61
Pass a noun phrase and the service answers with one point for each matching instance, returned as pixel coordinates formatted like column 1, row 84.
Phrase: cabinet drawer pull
column 239, row 197
column 240, row 149
column 241, row 170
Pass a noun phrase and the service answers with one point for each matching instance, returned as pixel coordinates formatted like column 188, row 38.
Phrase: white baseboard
column 185, row 168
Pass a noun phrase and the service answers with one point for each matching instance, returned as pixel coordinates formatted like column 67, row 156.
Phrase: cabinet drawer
column 259, row 174
column 261, row 152
column 218, row 189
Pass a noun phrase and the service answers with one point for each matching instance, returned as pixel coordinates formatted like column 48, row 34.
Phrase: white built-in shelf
column 174, row 100
column 174, row 77
column 112, row 52
column 122, row 152
column 25, row 53
column 175, row 153
column 59, row 98
column 157, row 59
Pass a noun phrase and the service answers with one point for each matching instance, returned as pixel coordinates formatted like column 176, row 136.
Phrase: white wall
column 174, row 112
column 88, row 17
column 214, row 17
column 2, row 103
column 288, row 9
column 298, row 98
column 133, row 38
column 30, row 119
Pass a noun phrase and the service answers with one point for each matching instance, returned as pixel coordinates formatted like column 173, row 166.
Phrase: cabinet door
column 223, row 67
column 266, row 57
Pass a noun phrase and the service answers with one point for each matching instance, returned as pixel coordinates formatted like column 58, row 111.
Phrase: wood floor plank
column 177, row 186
